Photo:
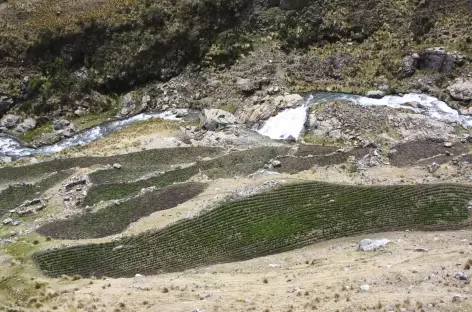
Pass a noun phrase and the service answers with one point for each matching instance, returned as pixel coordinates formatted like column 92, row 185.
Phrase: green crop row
column 236, row 163
column 288, row 217
column 144, row 159
column 115, row 218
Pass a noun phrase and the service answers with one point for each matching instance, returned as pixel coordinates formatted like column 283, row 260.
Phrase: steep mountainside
column 59, row 56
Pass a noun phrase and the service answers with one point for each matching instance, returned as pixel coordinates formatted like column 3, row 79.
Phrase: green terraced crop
column 114, row 219
column 120, row 190
column 283, row 219
column 14, row 196
column 237, row 163
column 144, row 159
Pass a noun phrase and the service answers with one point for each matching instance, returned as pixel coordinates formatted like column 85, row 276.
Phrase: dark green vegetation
column 142, row 160
column 289, row 217
column 14, row 196
column 239, row 163
column 115, row 218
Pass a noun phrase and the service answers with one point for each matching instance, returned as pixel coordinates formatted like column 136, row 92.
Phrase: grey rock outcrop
column 9, row 121
column 216, row 119
column 27, row 125
column 461, row 89
column 258, row 112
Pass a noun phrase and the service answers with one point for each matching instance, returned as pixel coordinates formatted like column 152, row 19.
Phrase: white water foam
column 290, row 122
column 11, row 147
column 287, row 124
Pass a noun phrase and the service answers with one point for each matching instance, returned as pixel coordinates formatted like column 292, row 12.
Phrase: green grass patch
column 289, row 217
column 30, row 135
column 115, row 218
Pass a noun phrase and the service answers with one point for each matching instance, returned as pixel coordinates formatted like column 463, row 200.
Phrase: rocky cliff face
column 58, row 57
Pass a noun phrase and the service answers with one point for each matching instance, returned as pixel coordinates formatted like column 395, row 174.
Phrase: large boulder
column 461, row 89
column 129, row 105
column 248, row 85
column 438, row 60
column 5, row 104
column 371, row 245
column 9, row 121
column 432, row 59
column 60, row 124
column 27, row 125
column 216, row 119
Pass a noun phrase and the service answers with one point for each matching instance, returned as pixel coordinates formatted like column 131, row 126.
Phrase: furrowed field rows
column 236, row 163
column 145, row 159
column 114, row 219
column 288, row 217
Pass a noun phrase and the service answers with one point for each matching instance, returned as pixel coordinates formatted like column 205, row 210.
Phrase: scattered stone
column 460, row 276
column 16, row 223
column 448, row 144
column 7, row 221
column 216, row 119
column 9, row 121
column 371, row 245
column 117, row 166
column 30, row 207
column 433, row 167
column 421, row 249
column 364, row 287
column 118, row 247
column 276, row 163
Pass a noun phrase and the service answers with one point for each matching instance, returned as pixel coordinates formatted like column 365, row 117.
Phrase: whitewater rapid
column 290, row 122
column 11, row 147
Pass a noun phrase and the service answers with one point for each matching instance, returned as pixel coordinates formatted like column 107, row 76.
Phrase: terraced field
column 286, row 218
column 237, row 163
column 114, row 219
column 145, row 159
column 14, row 196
